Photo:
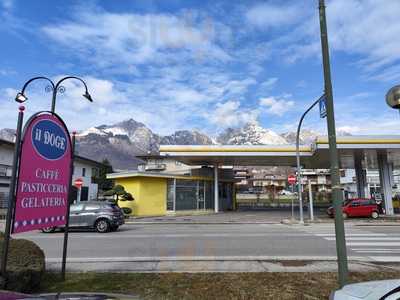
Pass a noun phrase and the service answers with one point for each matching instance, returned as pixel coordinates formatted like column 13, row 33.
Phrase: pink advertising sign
column 44, row 174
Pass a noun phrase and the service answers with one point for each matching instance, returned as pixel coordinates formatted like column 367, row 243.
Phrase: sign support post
column 65, row 245
column 337, row 194
column 292, row 180
column 11, row 196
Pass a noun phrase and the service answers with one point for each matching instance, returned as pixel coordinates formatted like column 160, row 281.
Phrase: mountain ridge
column 121, row 143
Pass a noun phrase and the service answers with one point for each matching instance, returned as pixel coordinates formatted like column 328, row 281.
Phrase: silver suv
column 102, row 216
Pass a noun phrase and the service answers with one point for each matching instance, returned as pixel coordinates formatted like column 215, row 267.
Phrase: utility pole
column 333, row 153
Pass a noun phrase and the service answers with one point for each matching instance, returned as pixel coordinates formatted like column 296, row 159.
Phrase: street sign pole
column 11, row 196
column 293, row 201
column 333, row 153
column 66, row 230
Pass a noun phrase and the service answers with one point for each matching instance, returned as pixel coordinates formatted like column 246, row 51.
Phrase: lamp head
column 87, row 96
column 393, row 97
column 21, row 98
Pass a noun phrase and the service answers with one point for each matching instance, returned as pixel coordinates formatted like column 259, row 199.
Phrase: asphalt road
column 223, row 242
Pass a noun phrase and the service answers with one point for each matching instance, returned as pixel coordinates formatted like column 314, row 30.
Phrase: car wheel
column 374, row 215
column 48, row 229
column 102, row 226
column 345, row 216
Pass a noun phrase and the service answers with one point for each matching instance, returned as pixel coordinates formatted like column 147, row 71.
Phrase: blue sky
column 203, row 65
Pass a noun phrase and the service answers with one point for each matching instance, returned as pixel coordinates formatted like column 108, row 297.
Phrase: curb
column 207, row 258
column 199, row 223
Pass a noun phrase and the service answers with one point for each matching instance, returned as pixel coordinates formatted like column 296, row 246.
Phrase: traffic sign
column 78, row 182
column 322, row 107
column 291, row 179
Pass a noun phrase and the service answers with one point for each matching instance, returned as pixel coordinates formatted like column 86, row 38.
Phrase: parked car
column 358, row 208
column 286, row 193
column 101, row 216
column 370, row 290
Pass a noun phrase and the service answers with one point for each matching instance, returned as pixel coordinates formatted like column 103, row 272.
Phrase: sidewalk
column 259, row 217
column 227, row 264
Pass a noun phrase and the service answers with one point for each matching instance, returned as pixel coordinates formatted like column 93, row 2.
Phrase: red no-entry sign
column 78, row 182
column 291, row 179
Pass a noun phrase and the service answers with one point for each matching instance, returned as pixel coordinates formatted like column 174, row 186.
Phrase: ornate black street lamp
column 54, row 88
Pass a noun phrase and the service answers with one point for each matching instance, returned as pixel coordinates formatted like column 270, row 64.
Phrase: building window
column 3, row 171
column 83, row 172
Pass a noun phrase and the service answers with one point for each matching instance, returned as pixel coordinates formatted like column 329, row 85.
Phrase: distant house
column 84, row 168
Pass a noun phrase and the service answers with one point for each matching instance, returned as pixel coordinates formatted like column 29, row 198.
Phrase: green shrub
column 127, row 210
column 25, row 265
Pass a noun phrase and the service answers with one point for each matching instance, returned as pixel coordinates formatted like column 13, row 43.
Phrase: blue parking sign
column 322, row 107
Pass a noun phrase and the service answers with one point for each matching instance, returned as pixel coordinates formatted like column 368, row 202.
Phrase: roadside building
column 87, row 170
column 161, row 193
column 157, row 163
column 84, row 168
column 6, row 158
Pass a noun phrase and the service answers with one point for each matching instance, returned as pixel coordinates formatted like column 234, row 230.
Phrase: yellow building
column 158, row 194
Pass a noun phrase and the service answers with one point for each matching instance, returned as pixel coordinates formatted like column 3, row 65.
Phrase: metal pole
column 64, row 256
column 333, row 153
column 53, row 99
column 216, row 192
column 311, row 201
column 11, row 196
column 292, row 201
column 299, row 189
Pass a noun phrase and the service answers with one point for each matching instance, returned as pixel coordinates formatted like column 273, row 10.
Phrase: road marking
column 373, row 244
column 327, row 235
column 386, row 258
column 388, row 238
column 378, row 251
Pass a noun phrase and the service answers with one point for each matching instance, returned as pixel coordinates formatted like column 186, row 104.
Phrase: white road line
column 386, row 258
column 373, row 244
column 367, row 238
column 361, row 249
column 351, row 234
column 378, row 251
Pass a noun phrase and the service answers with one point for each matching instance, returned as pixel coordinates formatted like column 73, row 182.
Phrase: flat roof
column 314, row 155
column 130, row 174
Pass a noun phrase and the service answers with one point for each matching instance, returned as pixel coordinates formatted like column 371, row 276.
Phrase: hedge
column 25, row 265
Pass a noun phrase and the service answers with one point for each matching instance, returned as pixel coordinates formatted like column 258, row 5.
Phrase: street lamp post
column 55, row 88
column 337, row 195
column 299, row 189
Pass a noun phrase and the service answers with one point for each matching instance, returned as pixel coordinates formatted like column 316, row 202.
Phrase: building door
column 84, row 193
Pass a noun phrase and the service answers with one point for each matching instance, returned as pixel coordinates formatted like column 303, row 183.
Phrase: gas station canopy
column 314, row 156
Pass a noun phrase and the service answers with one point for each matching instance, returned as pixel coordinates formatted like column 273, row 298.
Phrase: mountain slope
column 250, row 134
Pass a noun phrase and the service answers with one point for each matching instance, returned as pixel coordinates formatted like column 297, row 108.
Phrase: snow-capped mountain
column 120, row 143
column 251, row 134
column 307, row 136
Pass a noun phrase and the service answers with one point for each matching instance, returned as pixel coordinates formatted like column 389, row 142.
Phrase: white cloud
column 269, row 83
column 7, row 4
column 368, row 29
column 276, row 106
column 230, row 114
column 267, row 15
column 109, row 38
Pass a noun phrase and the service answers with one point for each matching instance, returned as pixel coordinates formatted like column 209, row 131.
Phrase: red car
column 358, row 208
